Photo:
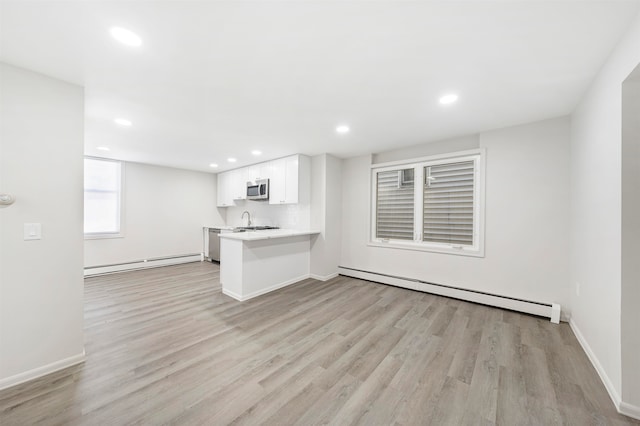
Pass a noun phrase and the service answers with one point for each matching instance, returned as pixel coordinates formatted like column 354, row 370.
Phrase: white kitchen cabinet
column 239, row 183
column 277, row 182
column 225, row 191
column 285, row 179
column 253, row 172
column 291, row 177
column 259, row 171
column 265, row 170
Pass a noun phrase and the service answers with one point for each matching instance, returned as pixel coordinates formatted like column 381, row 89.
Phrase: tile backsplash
column 290, row 216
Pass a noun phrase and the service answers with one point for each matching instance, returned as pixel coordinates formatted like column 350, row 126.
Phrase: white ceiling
column 219, row 79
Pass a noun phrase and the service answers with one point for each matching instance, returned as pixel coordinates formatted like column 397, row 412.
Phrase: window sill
column 104, row 236
column 428, row 248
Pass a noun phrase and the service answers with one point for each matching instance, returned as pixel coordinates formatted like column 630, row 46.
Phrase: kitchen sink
column 253, row 228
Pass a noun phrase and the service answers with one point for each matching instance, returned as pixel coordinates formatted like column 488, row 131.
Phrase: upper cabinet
column 259, row 171
column 277, row 182
column 239, row 183
column 283, row 186
column 286, row 177
column 225, row 192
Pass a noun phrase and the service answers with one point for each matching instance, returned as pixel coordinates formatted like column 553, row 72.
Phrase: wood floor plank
column 363, row 398
column 165, row 346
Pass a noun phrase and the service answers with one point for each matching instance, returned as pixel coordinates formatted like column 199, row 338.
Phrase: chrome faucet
column 248, row 217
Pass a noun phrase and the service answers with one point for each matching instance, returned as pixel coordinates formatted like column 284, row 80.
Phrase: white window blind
column 102, row 188
column 395, row 204
column 430, row 204
column 448, row 203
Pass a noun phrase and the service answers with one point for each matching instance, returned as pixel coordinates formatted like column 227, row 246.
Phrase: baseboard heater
column 155, row 262
column 549, row 310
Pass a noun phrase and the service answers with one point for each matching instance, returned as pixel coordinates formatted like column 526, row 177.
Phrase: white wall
column 426, row 149
column 318, row 213
column 596, row 211
column 631, row 239
column 326, row 215
column 164, row 212
column 526, row 240
column 41, row 282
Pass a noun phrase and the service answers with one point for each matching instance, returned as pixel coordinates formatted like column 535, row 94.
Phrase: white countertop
column 266, row 234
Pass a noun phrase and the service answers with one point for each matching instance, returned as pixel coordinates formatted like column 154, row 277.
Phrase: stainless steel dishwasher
column 214, row 244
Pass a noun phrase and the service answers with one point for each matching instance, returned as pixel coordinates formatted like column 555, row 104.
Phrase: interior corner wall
column 41, row 281
column 596, row 212
column 630, row 293
column 526, row 220
column 164, row 211
column 333, row 216
column 326, row 208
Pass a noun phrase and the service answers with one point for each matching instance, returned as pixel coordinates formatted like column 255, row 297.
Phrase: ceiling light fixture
column 103, row 148
column 256, row 152
column 448, row 99
column 342, row 129
column 231, row 160
column 213, row 165
column 123, row 122
column 125, row 36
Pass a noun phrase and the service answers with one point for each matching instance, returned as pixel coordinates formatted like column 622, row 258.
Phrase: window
column 448, row 203
column 102, row 198
column 395, row 205
column 433, row 204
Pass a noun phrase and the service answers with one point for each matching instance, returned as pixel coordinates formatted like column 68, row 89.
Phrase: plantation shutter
column 395, row 204
column 448, row 203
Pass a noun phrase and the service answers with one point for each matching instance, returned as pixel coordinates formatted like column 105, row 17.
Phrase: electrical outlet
column 577, row 288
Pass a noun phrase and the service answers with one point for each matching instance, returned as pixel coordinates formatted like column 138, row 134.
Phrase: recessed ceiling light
column 342, row 129
column 256, row 152
column 214, row 165
column 448, row 99
column 125, row 36
column 231, row 160
column 122, row 122
column 103, row 148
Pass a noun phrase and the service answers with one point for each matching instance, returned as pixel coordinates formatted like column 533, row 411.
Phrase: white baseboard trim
column 623, row 408
column 611, row 390
column 242, row 298
column 232, row 294
column 323, row 277
column 41, row 371
column 549, row 310
column 629, row 410
column 142, row 264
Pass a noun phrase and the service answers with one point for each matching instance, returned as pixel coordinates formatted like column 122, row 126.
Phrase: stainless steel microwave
column 258, row 190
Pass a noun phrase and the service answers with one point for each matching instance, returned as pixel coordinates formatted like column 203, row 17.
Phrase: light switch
column 32, row 231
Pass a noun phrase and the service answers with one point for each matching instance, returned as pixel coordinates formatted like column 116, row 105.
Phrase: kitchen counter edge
column 266, row 234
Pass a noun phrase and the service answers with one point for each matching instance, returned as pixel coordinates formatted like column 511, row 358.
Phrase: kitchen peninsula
column 257, row 262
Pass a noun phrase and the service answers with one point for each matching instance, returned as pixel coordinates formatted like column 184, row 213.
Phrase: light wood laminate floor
column 165, row 346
